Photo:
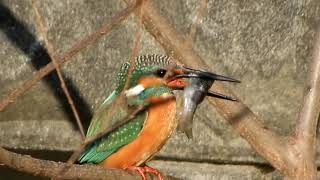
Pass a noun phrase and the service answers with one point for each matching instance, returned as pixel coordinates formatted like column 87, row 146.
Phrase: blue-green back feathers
column 104, row 147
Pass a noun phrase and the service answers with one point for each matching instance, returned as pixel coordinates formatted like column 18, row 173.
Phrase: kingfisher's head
column 156, row 75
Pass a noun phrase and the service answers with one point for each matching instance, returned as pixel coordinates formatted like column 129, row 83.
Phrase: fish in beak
column 197, row 88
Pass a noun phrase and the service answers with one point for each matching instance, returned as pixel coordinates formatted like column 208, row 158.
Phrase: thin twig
column 265, row 142
column 85, row 42
column 53, row 169
column 136, row 45
column 43, row 31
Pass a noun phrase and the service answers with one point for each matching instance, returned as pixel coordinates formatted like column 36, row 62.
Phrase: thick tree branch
column 309, row 113
column 265, row 142
column 60, row 170
column 85, row 42
column 304, row 137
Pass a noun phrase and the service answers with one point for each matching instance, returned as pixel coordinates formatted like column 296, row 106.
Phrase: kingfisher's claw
column 140, row 170
column 143, row 170
column 153, row 171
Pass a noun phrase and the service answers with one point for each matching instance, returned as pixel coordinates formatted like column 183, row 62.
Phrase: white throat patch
column 134, row 90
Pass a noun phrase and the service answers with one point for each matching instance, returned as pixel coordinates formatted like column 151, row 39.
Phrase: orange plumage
column 157, row 128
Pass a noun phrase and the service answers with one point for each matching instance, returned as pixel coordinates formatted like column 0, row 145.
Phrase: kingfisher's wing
column 104, row 147
column 109, row 113
column 101, row 119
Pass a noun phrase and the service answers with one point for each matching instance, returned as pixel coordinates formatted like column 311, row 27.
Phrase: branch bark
column 303, row 140
column 309, row 113
column 58, row 170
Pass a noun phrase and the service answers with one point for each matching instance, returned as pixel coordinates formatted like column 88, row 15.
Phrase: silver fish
column 194, row 93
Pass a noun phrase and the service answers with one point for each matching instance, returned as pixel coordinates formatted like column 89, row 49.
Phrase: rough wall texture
column 265, row 44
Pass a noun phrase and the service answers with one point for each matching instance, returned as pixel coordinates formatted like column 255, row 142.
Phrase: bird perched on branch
column 145, row 96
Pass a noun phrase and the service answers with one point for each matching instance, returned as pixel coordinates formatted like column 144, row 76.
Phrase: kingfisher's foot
column 143, row 170
column 153, row 171
column 140, row 170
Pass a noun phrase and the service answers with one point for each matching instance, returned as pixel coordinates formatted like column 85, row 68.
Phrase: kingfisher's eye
column 161, row 72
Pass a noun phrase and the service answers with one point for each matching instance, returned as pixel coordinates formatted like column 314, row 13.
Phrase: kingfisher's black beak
column 193, row 73
column 206, row 78
column 195, row 91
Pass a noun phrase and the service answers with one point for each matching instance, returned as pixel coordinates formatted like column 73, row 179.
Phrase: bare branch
column 304, row 136
column 136, row 44
column 85, row 42
column 43, row 31
column 309, row 113
column 265, row 142
column 60, row 170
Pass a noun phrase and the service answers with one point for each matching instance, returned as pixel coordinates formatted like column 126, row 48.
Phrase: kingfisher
column 149, row 86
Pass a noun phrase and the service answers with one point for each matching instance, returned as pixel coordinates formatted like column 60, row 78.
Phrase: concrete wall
column 265, row 44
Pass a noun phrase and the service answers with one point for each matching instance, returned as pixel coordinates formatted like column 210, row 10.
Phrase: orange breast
column 157, row 128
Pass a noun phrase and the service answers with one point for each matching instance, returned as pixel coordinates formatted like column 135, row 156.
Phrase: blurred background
column 265, row 44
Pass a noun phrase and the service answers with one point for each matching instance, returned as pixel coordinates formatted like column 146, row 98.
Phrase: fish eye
column 161, row 72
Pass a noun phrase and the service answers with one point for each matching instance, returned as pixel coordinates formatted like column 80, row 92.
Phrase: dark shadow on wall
column 18, row 33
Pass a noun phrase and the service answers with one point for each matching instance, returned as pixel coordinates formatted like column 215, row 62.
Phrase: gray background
column 265, row 44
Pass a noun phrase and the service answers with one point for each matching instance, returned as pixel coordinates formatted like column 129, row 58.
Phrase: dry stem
column 303, row 141
column 60, row 170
